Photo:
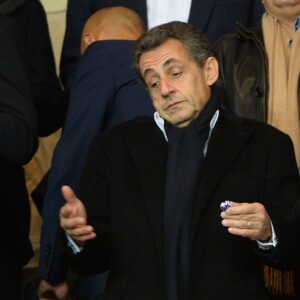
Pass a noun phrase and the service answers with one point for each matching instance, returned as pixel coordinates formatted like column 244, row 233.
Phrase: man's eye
column 154, row 84
column 176, row 74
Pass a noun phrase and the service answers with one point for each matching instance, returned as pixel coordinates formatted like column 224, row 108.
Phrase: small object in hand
column 225, row 205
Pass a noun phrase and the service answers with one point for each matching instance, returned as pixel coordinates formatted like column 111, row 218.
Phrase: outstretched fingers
column 73, row 218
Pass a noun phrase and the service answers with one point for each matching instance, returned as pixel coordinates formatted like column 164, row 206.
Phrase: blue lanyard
column 296, row 27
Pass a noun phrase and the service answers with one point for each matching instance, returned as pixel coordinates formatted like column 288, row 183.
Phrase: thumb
column 69, row 194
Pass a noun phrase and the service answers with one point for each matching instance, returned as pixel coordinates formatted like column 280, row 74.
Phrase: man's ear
column 211, row 69
column 89, row 38
column 86, row 39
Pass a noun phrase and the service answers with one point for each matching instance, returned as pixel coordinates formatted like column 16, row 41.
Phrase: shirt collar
column 160, row 122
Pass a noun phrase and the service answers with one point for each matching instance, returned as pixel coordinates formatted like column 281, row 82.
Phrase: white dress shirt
column 163, row 11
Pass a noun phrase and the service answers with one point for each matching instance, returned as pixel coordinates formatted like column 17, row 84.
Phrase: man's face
column 179, row 88
column 283, row 9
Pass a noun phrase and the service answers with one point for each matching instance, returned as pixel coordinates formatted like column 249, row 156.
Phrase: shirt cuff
column 270, row 244
column 72, row 244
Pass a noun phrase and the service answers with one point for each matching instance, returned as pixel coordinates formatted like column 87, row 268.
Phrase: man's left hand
column 249, row 220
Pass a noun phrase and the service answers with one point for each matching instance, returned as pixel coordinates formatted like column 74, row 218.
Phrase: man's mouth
column 173, row 105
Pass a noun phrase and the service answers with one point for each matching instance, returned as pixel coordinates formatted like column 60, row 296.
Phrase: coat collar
column 253, row 33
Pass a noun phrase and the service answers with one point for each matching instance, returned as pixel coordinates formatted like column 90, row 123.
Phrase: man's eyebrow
column 169, row 61
column 147, row 72
column 166, row 64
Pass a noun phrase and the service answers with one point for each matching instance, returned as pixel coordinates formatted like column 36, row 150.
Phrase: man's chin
column 180, row 123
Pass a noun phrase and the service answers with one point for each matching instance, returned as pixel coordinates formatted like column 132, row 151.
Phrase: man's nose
column 166, row 87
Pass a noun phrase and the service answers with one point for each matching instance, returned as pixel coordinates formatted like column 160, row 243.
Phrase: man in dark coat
column 18, row 131
column 28, row 78
column 49, row 99
column 105, row 92
column 151, row 188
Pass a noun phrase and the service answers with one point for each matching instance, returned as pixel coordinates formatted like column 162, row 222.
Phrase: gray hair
column 194, row 41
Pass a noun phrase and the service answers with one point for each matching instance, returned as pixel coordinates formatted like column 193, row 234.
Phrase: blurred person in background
column 104, row 93
column 259, row 73
column 19, row 141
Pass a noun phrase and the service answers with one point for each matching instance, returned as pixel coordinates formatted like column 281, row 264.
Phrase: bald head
column 111, row 23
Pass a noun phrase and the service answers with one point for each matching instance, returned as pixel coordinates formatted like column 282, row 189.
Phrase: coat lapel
column 227, row 140
column 200, row 12
column 150, row 155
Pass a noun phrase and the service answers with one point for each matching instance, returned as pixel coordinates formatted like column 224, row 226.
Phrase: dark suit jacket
column 122, row 187
column 104, row 93
column 49, row 99
column 213, row 17
column 18, row 135
column 32, row 103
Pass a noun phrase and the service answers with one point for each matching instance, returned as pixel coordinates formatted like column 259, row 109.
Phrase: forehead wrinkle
column 153, row 59
column 169, row 62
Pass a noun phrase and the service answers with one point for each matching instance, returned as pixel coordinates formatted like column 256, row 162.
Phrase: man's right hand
column 59, row 291
column 73, row 218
